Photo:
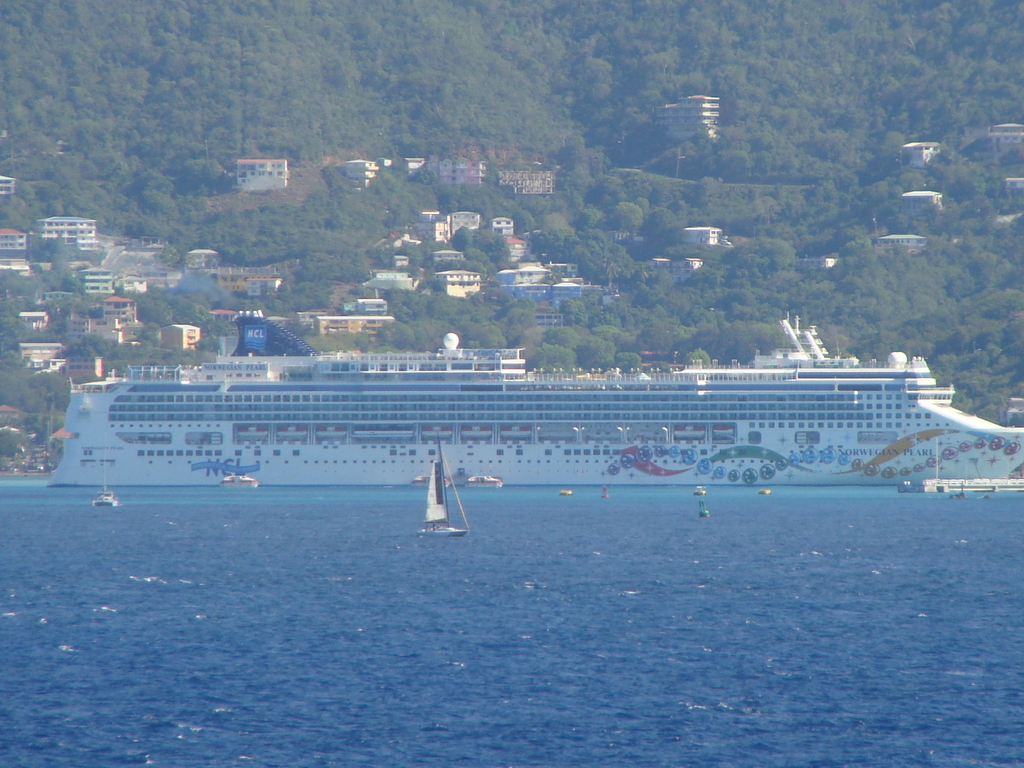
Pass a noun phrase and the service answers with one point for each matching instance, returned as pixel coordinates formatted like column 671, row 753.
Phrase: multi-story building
column 391, row 281
column 690, row 116
column 363, row 171
column 97, row 280
column 254, row 175
column 917, row 154
column 909, row 242
column 121, row 308
column 433, row 226
column 1015, row 186
column 447, row 256
column 703, row 236
column 34, row 321
column 528, row 182
column 517, row 249
column 1005, row 137
column 109, row 328
column 458, row 171
column 202, row 258
column 12, row 240
column 40, row 355
column 459, row 282
column 7, row 186
column 919, row 201
column 463, row 220
column 19, row 266
column 70, row 230
column 180, row 336
column 325, row 324
column 503, row 226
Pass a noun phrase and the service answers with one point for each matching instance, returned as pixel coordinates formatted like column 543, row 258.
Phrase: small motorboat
column 700, row 490
column 421, row 480
column 106, row 498
column 565, row 492
column 765, row 492
column 484, row 481
column 239, row 481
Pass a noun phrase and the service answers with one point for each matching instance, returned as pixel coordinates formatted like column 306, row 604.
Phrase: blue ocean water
column 312, row 627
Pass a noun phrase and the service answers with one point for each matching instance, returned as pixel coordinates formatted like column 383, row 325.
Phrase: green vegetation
column 134, row 114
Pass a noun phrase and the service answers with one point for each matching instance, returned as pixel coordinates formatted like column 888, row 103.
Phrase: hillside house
column 817, row 262
column 97, row 281
column 371, row 307
column 1005, row 137
column 121, row 308
column 703, row 236
column 12, row 240
column 180, row 336
column 447, row 256
column 7, row 186
column 692, row 115
column 87, row 369
column 363, row 171
column 34, row 321
column 459, row 282
column 1014, row 186
column 399, row 260
column 517, row 249
column 70, row 230
column 909, row 242
column 131, row 284
column 42, row 355
column 433, row 226
column 18, row 266
column 325, row 324
column 920, row 201
column 528, row 182
column 503, row 226
column 391, row 281
column 202, row 258
column 463, row 220
column 458, row 171
column 259, row 174
column 917, row 154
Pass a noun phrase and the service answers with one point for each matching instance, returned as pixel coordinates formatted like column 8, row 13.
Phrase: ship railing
column 691, row 375
column 936, row 393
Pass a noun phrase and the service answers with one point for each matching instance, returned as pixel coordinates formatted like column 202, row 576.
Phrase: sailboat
column 436, row 521
column 106, row 497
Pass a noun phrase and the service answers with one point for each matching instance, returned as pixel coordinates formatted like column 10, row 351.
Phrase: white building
column 97, row 280
column 371, row 307
column 463, row 220
column 910, row 242
column 13, row 240
column 433, row 226
column 255, row 175
column 7, row 185
column 41, row 355
column 459, row 282
column 70, row 230
column 690, row 116
column 1005, row 137
column 447, row 256
column 34, row 321
column 458, row 171
column 703, row 236
column 391, row 281
column 18, row 266
column 817, row 262
column 919, row 201
column 917, row 154
column 1015, row 186
column 503, row 226
column 363, row 171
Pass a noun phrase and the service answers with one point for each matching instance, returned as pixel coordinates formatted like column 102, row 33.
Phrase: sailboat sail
column 437, row 509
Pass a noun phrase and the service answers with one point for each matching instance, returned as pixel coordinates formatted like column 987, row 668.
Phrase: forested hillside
column 134, row 114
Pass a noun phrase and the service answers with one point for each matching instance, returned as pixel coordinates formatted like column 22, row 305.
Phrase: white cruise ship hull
column 794, row 418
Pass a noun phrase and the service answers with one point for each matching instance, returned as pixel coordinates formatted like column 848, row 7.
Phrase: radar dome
column 897, row 358
column 451, row 341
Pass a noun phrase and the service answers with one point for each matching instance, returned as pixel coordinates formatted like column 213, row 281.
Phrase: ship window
column 295, row 452
column 238, row 453
column 150, row 453
column 141, row 453
column 547, row 451
column 754, row 438
column 500, row 452
column 180, row 452
column 277, row 452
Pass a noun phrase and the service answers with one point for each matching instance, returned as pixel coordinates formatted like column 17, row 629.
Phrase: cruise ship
column 278, row 412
